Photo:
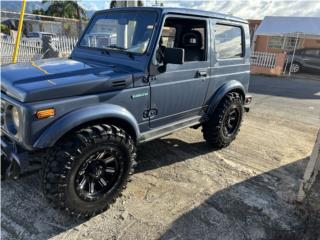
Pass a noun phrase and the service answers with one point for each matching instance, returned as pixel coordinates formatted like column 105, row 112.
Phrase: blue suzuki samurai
column 136, row 74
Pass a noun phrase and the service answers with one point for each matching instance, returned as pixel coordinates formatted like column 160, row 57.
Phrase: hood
column 57, row 78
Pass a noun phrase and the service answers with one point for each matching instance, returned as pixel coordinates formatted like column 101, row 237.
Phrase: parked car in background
column 307, row 59
column 39, row 35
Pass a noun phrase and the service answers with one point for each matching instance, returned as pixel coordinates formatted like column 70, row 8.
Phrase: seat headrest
column 192, row 39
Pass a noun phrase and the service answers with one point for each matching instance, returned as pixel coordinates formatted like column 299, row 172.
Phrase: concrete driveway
column 183, row 190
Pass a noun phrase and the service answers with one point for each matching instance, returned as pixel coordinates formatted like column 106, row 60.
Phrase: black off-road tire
column 213, row 129
column 64, row 162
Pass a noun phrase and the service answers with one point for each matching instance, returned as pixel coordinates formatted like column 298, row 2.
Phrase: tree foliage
column 65, row 9
column 39, row 11
column 5, row 29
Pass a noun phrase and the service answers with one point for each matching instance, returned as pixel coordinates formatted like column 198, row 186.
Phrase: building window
column 275, row 42
column 291, row 42
column 228, row 41
column 285, row 43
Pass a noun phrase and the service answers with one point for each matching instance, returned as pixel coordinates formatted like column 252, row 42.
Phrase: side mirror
column 173, row 55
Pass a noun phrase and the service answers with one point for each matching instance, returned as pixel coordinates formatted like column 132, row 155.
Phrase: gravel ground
column 183, row 190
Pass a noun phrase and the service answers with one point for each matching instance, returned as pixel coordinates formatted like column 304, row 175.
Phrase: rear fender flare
column 81, row 116
column 230, row 86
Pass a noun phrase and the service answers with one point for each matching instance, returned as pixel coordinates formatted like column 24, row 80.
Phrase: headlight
column 12, row 119
column 15, row 117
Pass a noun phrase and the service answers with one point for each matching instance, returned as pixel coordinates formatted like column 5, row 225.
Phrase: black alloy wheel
column 98, row 174
column 231, row 121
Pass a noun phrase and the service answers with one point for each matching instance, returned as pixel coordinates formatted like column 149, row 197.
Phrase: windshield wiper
column 116, row 47
column 105, row 51
column 121, row 49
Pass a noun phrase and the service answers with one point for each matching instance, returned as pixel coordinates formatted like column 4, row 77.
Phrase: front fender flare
column 80, row 116
column 222, row 91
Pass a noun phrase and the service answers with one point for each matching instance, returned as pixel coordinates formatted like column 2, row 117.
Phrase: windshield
column 123, row 31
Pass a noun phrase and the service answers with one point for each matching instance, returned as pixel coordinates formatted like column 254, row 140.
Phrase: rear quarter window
column 228, row 41
column 312, row 52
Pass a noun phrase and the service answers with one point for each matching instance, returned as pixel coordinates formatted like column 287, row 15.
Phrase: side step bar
column 169, row 128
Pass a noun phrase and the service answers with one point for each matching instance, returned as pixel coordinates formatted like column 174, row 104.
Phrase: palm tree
column 65, row 9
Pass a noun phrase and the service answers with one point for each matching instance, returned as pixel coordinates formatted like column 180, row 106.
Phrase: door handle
column 201, row 73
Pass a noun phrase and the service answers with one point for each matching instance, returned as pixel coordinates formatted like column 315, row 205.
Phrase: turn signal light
column 45, row 113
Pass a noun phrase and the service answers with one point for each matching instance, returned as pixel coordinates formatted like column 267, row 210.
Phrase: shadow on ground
column 26, row 214
column 258, row 208
column 262, row 207
column 174, row 151
column 285, row 87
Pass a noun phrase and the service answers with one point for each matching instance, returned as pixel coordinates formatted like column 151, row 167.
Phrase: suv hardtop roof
column 182, row 11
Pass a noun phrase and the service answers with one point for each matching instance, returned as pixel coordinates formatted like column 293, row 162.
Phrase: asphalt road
column 184, row 190
column 291, row 98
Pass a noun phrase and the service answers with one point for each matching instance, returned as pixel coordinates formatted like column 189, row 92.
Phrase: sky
column 253, row 9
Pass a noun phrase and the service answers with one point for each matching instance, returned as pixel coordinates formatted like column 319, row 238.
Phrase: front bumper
column 247, row 102
column 13, row 160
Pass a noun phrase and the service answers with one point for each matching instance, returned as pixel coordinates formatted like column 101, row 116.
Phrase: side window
column 311, row 52
column 186, row 33
column 228, row 41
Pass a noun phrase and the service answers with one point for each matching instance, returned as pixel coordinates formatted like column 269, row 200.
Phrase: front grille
column 4, row 105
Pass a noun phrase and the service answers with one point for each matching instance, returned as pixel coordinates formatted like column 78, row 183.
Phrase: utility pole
column 311, row 172
column 16, row 48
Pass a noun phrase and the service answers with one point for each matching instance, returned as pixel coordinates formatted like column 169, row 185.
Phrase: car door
column 179, row 92
column 311, row 58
